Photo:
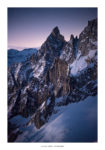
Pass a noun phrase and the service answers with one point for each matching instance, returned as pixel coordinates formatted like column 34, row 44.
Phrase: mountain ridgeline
column 59, row 70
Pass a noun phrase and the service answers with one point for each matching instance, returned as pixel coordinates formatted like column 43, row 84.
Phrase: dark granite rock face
column 55, row 31
column 88, row 38
column 54, row 43
column 59, row 77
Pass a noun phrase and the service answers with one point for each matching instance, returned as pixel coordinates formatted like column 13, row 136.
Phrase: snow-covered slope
column 62, row 126
column 15, row 56
column 82, row 62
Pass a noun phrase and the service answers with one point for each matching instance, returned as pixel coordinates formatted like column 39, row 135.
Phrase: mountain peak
column 56, row 31
column 92, row 22
column 71, row 37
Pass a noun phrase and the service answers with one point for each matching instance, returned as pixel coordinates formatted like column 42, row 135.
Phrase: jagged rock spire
column 72, row 37
column 56, row 31
column 54, row 42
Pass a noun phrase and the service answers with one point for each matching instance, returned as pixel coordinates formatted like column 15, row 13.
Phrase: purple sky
column 29, row 27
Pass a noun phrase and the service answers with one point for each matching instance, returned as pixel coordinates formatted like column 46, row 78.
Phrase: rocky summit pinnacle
column 54, row 43
column 56, row 31
column 71, row 37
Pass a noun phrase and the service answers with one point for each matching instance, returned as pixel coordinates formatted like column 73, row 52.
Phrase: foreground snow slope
column 73, row 123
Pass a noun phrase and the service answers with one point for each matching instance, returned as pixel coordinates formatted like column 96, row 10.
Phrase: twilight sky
column 29, row 27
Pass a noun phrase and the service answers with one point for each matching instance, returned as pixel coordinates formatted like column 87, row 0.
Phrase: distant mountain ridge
column 16, row 56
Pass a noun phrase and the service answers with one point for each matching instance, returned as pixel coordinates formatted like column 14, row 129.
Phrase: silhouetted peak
column 56, row 31
column 76, row 38
column 72, row 37
column 92, row 22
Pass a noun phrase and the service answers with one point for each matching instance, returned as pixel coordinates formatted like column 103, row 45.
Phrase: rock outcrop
column 58, row 75
column 88, row 38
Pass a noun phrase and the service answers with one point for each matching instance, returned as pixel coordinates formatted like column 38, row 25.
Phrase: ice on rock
column 42, row 106
column 80, row 63
column 48, row 101
column 17, row 70
column 39, row 68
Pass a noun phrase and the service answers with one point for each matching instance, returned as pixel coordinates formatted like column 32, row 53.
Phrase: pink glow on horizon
column 32, row 42
column 30, row 27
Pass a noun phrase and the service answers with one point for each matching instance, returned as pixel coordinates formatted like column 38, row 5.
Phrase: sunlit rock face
column 59, row 73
